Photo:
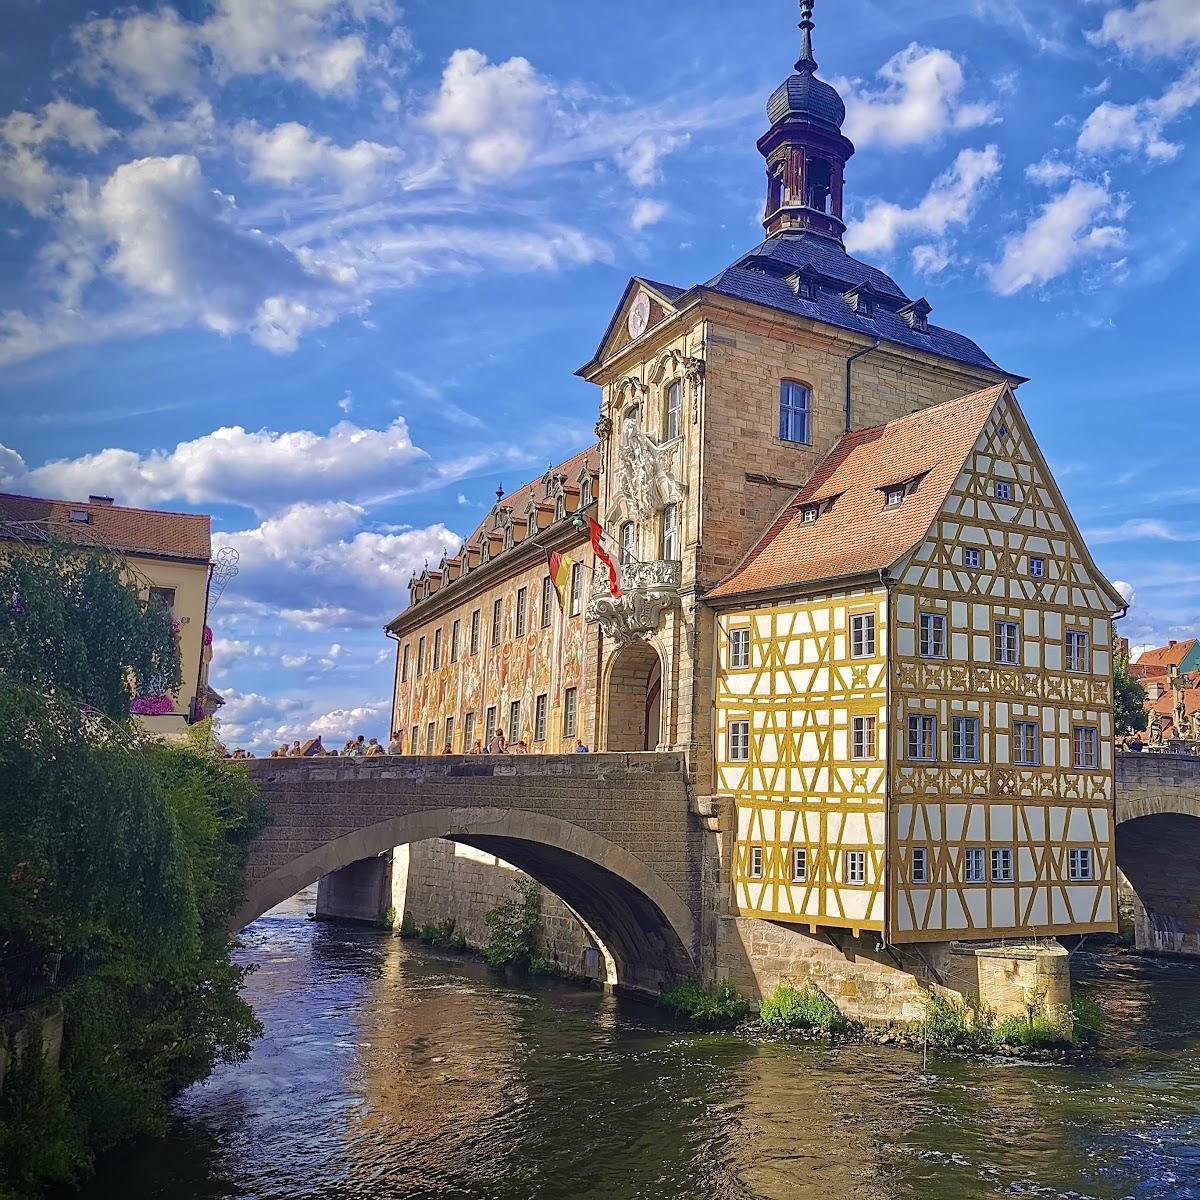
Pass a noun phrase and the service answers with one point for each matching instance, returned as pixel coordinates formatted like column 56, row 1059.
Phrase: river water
column 388, row 1070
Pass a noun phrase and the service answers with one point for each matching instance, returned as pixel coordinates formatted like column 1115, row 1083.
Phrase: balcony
column 648, row 589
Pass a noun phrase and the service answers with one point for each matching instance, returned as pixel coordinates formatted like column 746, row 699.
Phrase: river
column 388, row 1070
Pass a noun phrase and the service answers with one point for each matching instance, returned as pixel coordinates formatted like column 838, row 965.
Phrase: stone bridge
column 1158, row 847
column 610, row 834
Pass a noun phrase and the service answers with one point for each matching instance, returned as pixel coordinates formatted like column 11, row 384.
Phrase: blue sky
column 324, row 268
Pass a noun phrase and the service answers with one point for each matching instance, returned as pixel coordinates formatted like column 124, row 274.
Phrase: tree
column 1129, row 697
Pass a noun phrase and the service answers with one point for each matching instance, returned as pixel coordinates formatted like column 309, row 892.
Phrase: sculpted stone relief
column 644, row 480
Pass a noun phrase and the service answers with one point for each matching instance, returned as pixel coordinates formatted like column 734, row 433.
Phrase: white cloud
column 1141, row 529
column 929, row 259
column 263, row 727
column 1151, row 27
column 1139, row 128
column 1049, row 171
column 640, row 160
column 264, row 470
column 294, row 661
column 1077, row 224
column 25, row 174
column 949, row 201
column 920, row 99
column 647, row 212
column 1125, row 591
column 291, row 153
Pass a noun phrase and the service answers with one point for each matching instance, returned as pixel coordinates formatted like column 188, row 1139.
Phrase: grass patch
column 808, row 1009
column 720, row 1008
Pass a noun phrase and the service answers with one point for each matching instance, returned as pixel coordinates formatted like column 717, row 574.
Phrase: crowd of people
column 361, row 747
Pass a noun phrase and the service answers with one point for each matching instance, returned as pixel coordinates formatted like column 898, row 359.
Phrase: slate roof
column 856, row 535
column 762, row 277
column 110, row 527
column 804, row 95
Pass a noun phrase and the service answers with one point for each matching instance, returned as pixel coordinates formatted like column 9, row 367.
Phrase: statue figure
column 1178, row 708
column 642, row 478
column 1155, row 730
column 1195, row 729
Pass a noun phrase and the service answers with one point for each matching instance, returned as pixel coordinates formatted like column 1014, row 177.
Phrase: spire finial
column 806, row 62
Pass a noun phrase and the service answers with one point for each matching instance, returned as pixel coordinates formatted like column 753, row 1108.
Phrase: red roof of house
column 856, row 534
column 112, row 527
column 1161, row 659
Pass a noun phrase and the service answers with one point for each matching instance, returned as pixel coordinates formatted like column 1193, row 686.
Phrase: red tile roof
column 856, row 534
column 109, row 526
column 1159, row 660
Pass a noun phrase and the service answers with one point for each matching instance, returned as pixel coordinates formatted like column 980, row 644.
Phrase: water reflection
column 388, row 1071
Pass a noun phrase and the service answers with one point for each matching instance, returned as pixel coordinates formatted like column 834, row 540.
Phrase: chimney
column 1171, row 642
column 106, row 502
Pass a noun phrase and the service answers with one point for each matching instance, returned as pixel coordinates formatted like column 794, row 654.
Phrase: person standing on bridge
column 497, row 745
column 396, row 745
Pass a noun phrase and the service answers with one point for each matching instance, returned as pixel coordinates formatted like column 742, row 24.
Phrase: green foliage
column 515, row 928
column 408, row 925
column 124, row 855
column 389, row 917
column 1129, row 696
column 717, row 1009
column 1087, row 1020
column 808, row 1009
column 952, row 1026
column 440, row 933
column 71, row 621
column 1036, row 1032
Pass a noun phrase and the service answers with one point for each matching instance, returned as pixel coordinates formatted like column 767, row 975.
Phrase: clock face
column 639, row 315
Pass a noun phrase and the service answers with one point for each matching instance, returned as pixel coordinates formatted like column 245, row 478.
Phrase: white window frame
column 491, row 727
column 670, row 533
column 737, row 741
column 893, row 497
column 739, row 648
column 455, row 637
column 922, row 733
column 795, row 405
column 1085, row 747
column 430, row 738
column 514, row 722
column 932, row 635
column 799, row 864
column 468, row 731
column 673, row 411
column 449, row 733
column 1006, row 643
column 964, row 736
column 570, row 712
column 975, row 864
column 855, row 867
column 547, row 601
column 497, row 621
column 476, row 622
column 420, row 657
column 541, row 710
column 862, row 739
column 437, row 648
column 404, row 654
column 1027, row 744
column 521, row 618
column 576, row 588
column 862, row 635
column 1002, row 865
column 756, row 862
column 627, row 542
column 1081, row 866
column 1078, row 652
column 919, row 864
column 1003, row 490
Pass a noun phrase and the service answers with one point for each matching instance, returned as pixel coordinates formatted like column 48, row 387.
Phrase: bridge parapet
column 1149, row 784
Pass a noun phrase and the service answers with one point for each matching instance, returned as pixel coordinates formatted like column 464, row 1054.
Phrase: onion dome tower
column 805, row 148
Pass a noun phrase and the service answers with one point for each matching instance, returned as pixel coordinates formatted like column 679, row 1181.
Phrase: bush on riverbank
column 120, row 854
column 949, row 1025
column 807, row 1009
column 515, row 929
column 721, row 1008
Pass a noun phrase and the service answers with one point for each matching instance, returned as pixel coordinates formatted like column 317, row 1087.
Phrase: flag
column 614, row 571
column 560, row 576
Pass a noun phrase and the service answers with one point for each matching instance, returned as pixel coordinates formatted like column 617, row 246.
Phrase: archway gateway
column 633, row 699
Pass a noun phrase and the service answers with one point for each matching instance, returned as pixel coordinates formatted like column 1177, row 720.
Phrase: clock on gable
column 639, row 315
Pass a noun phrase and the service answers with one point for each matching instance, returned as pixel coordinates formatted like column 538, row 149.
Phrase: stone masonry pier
column 611, row 834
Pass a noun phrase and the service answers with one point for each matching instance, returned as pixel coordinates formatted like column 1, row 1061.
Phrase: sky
column 325, row 268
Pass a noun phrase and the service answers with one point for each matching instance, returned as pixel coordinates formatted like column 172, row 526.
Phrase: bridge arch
column 644, row 925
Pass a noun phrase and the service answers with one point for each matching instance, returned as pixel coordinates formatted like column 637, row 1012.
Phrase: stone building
column 851, row 593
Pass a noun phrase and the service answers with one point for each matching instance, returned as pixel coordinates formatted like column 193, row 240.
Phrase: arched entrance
column 1159, row 854
column 633, row 699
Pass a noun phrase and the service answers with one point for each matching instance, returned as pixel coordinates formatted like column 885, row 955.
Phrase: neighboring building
column 168, row 555
column 1183, row 656
column 809, row 485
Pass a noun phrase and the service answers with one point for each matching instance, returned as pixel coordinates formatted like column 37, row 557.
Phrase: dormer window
column 893, row 496
column 917, row 315
column 560, row 508
column 809, row 513
column 585, row 492
column 80, row 516
column 805, row 286
column 861, row 300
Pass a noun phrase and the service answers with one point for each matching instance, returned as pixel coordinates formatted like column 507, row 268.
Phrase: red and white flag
column 599, row 537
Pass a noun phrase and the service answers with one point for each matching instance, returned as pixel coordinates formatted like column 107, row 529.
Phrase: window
column 1006, row 643
column 810, row 513
column 1003, row 490
column 1078, row 656
column 1085, row 746
column 475, row 632
column 862, row 635
column 1002, row 866
column 673, row 423
column 570, row 712
column 437, row 648
column 539, row 718
column 468, row 732
column 455, row 638
column 449, row 735
column 794, row 402
column 799, row 864
column 628, row 541
column 430, row 735
column 893, row 496
column 1037, row 567
column 856, row 866
column 576, row 589
column 497, row 621
column 165, row 596
column 964, row 739
column 514, row 722
column 973, row 865
column 933, row 635
column 413, row 734
column 971, row 558
column 920, row 864
column 80, row 516
column 1079, row 864
column 739, row 741
column 522, row 611
column 862, row 737
column 547, row 601
column 756, row 862
column 670, row 533
column 922, row 738
column 585, row 492
column 490, row 726
column 739, row 649
column 404, row 662
column 1025, row 743
column 420, row 656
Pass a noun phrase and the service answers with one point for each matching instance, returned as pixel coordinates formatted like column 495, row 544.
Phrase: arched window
column 673, row 414
column 795, row 402
column 585, row 492
column 818, row 184
column 670, row 533
column 628, row 542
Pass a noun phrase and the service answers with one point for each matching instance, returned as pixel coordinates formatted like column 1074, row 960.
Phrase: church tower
column 805, row 149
